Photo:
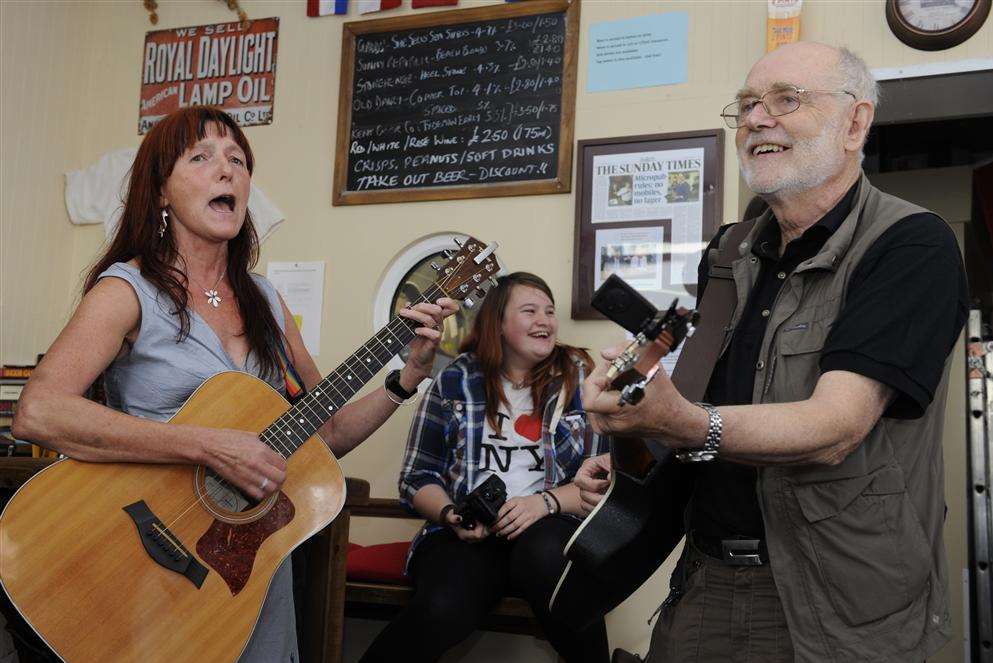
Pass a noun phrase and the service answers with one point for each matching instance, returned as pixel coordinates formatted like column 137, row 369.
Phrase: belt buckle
column 741, row 552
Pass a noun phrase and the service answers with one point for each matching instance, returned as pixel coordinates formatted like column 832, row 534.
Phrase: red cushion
column 383, row 562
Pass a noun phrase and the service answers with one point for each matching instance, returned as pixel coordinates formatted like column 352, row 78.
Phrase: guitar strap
column 701, row 350
column 295, row 388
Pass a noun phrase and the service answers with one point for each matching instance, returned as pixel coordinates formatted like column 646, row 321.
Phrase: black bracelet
column 558, row 505
column 443, row 516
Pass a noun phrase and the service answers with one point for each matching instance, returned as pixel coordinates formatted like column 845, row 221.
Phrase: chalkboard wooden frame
column 562, row 183
column 711, row 189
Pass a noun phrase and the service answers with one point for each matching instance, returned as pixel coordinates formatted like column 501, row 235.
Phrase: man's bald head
column 815, row 65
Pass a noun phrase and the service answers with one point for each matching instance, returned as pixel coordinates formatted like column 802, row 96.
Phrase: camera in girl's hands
column 483, row 503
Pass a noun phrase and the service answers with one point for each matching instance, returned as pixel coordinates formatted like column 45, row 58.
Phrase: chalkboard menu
column 457, row 104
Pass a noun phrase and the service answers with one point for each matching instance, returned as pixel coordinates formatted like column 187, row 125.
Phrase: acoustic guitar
column 639, row 521
column 118, row 562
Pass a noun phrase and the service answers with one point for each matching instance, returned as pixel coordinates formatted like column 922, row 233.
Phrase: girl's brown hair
column 137, row 235
column 486, row 341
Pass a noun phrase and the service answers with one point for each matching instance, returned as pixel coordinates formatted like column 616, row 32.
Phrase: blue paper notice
column 638, row 52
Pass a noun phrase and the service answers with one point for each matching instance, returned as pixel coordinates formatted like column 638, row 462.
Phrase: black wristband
column 558, row 505
column 393, row 385
column 443, row 515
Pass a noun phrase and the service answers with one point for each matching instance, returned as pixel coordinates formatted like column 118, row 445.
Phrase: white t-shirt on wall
column 512, row 450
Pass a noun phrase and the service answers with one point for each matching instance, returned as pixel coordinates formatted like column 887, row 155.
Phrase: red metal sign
column 231, row 65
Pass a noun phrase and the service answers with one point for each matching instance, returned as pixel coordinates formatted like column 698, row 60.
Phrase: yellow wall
column 70, row 79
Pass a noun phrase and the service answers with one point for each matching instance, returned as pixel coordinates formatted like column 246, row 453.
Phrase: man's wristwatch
column 715, row 427
column 393, row 385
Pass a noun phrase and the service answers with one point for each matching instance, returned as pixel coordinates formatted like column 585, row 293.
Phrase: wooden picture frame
column 560, row 183
column 648, row 196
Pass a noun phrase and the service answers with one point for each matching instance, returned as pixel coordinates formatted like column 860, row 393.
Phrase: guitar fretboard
column 298, row 424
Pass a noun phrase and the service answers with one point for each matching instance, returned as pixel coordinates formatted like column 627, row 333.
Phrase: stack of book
column 12, row 381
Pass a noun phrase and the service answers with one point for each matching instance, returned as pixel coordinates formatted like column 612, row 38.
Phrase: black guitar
column 640, row 519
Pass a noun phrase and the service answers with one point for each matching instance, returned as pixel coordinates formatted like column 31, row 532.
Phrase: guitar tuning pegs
column 479, row 292
column 448, row 253
column 458, row 242
column 469, row 302
column 632, row 394
column 435, row 266
column 493, row 280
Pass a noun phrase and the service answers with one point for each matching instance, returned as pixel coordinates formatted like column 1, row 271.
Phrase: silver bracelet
column 393, row 398
column 548, row 502
column 715, row 429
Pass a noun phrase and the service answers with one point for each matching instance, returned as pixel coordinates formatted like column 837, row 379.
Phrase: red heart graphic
column 529, row 426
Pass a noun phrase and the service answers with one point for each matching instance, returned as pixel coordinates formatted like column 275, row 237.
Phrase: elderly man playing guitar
column 814, row 522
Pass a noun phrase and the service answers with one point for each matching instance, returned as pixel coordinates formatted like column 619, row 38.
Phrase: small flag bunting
column 326, row 7
column 369, row 6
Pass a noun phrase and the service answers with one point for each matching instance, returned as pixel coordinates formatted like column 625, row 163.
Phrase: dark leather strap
column 701, row 351
column 698, row 357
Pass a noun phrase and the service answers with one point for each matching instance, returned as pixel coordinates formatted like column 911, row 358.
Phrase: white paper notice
column 302, row 286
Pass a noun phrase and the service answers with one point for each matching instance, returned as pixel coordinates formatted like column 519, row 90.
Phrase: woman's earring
column 165, row 222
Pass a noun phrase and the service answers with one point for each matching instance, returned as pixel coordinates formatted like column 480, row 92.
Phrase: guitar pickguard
column 230, row 549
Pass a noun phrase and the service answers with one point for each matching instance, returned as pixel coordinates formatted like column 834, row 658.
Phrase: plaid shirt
column 445, row 441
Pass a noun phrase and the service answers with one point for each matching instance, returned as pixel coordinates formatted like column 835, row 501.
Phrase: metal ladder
column 979, row 357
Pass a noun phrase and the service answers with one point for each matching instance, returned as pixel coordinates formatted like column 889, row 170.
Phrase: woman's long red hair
column 486, row 341
column 137, row 235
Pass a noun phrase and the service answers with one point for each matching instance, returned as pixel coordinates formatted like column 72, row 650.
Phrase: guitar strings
column 222, row 484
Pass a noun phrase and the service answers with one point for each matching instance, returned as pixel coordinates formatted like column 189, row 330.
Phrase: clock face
column 932, row 25
column 934, row 15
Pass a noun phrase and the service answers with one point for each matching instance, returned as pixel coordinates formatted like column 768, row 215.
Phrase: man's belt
column 733, row 552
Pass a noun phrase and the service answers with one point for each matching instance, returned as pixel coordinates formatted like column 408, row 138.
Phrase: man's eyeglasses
column 781, row 101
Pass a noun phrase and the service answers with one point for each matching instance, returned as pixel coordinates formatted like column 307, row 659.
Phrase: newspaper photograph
column 645, row 186
column 634, row 254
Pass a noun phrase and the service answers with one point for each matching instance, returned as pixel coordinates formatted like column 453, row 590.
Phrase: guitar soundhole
column 226, row 496
column 225, row 502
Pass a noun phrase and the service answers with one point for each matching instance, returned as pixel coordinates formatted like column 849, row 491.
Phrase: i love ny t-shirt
column 512, row 449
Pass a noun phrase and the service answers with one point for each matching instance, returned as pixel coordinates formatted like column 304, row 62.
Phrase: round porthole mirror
column 409, row 275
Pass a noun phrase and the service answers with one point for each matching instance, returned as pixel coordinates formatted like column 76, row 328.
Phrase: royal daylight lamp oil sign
column 231, row 65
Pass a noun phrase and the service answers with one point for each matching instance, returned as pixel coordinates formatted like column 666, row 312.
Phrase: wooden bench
column 375, row 600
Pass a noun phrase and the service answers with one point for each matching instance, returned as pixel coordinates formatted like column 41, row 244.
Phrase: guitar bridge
column 163, row 546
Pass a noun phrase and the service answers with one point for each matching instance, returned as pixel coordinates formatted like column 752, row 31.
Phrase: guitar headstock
column 467, row 271
column 638, row 363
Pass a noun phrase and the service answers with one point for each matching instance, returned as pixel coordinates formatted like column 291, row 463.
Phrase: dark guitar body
column 628, row 536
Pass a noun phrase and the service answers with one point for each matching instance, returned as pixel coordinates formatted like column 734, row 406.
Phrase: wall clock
column 933, row 25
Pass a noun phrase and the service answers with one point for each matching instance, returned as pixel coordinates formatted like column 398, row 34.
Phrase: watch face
column 934, row 15
column 456, row 327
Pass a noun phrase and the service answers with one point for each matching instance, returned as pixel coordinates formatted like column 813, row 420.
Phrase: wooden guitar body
column 74, row 565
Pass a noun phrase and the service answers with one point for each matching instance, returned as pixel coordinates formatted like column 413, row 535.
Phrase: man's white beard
column 815, row 160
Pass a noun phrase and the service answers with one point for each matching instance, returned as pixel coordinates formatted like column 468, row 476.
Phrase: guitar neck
column 298, row 424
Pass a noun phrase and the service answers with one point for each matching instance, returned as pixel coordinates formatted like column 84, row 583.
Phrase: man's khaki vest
column 855, row 548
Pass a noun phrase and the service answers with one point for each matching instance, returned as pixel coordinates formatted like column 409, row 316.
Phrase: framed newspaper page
column 646, row 207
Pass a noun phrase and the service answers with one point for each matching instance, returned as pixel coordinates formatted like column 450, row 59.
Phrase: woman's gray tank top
column 153, row 381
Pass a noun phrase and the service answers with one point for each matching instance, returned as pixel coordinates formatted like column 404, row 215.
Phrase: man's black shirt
column 905, row 304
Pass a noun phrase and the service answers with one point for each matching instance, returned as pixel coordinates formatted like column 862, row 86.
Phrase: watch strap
column 715, row 430
column 393, row 385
